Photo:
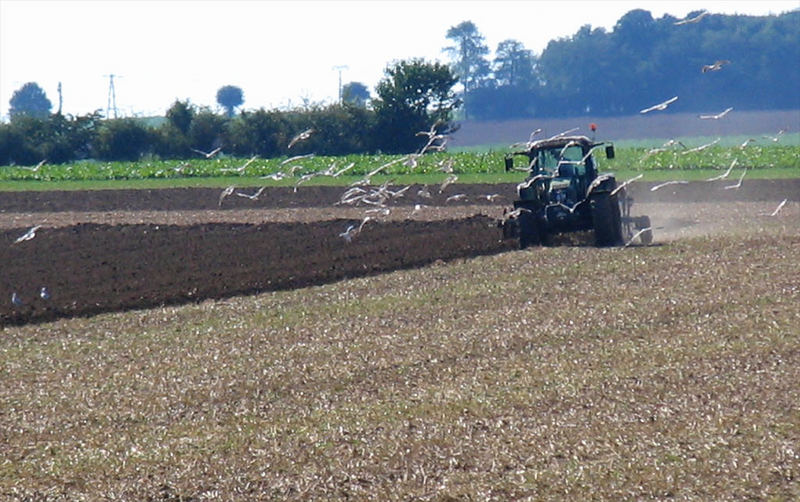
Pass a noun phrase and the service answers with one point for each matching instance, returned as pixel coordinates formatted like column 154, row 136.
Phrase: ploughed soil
column 109, row 250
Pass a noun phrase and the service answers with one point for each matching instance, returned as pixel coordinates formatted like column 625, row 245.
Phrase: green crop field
column 692, row 158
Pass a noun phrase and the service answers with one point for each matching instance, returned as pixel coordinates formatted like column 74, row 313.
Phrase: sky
column 282, row 54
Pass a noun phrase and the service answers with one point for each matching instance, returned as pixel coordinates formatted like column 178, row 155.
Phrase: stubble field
column 424, row 360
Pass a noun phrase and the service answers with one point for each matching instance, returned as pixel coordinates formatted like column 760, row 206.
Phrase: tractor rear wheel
column 606, row 219
column 528, row 230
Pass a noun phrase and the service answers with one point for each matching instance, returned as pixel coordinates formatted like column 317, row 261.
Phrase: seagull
column 625, row 184
column 701, row 147
column 775, row 138
column 243, row 167
column 363, row 222
column 30, row 234
column 424, row 193
column 228, row 191
column 564, row 133
column 491, row 197
column 746, row 142
column 343, row 170
column 679, row 182
column 44, row 294
column 36, row 167
column 695, row 19
column 301, row 137
column 456, row 197
column 637, row 234
column 16, row 300
column 739, row 183
column 450, row 179
column 417, row 208
column 349, row 233
column 777, row 209
column 297, row 157
column 275, row 176
column 717, row 116
column 210, row 154
column 514, row 214
column 660, row 106
column 570, row 209
column 725, row 174
column 527, row 183
column 253, row 196
column 446, row 166
column 714, row 67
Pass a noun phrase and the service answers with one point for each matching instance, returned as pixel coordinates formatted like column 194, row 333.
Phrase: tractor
column 565, row 193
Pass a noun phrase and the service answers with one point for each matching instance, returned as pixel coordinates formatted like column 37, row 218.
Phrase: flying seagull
column 637, row 234
column 349, row 233
column 449, row 180
column 660, row 106
column 717, row 116
column 625, row 184
column 662, row 185
column 30, row 234
column 228, row 191
column 725, row 174
column 456, row 197
column 253, row 196
column 695, row 19
column 16, row 300
column 780, row 206
column 739, row 183
column 44, row 293
column 301, row 137
column 242, row 167
column 718, row 64
column 210, row 154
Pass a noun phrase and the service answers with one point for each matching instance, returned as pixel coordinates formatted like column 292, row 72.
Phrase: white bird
column 44, row 294
column 777, row 209
column 570, row 209
column 36, row 167
column 343, row 170
column 349, row 233
column 491, row 197
column 725, row 174
column 275, row 176
column 662, row 185
column 637, row 234
column 718, row 115
column 660, row 106
column 446, row 166
column 701, row 147
column 458, row 196
column 690, row 20
column 252, row 196
column 564, row 133
column 301, row 137
column 228, row 191
column 716, row 66
column 210, row 154
column 364, row 222
column 417, row 208
column 30, row 234
column 625, row 184
column 243, row 167
column 775, row 138
column 739, row 183
column 530, row 181
column 514, row 214
column 16, row 300
column 448, row 181
column 297, row 157
column 424, row 193
column 746, row 142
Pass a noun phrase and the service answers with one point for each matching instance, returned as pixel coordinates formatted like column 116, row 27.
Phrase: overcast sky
column 281, row 53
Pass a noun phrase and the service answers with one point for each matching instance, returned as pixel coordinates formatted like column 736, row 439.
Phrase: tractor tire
column 606, row 220
column 528, row 230
column 642, row 222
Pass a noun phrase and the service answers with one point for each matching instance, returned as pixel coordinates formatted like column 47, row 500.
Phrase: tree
column 355, row 93
column 29, row 100
column 412, row 96
column 514, row 65
column 180, row 115
column 467, row 54
column 229, row 97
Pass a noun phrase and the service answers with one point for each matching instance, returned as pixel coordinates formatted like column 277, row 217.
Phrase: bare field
column 561, row 373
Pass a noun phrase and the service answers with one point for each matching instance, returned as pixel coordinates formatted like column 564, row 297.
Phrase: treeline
column 641, row 61
column 414, row 96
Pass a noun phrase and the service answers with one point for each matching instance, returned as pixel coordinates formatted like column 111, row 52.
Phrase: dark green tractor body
column 565, row 193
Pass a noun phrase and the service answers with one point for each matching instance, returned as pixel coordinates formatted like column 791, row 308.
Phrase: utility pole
column 60, row 99
column 339, row 68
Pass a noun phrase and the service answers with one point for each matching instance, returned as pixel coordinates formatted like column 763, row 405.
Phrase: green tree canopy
column 229, row 97
column 355, row 93
column 412, row 96
column 29, row 100
column 468, row 57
